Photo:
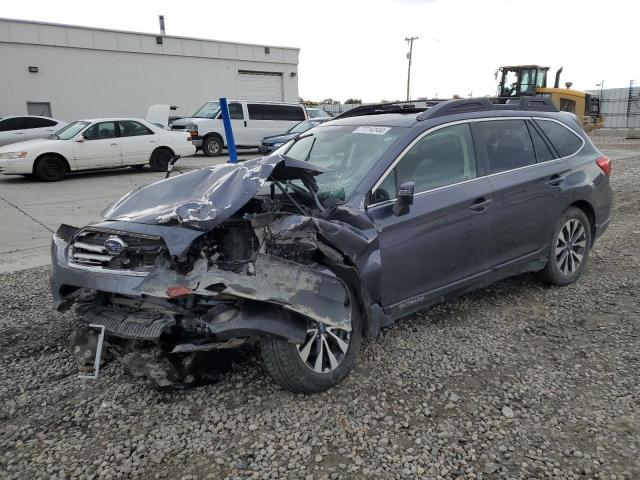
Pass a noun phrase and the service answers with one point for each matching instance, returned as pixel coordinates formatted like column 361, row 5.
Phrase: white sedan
column 95, row 144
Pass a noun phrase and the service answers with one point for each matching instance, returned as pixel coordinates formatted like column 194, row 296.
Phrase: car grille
column 133, row 252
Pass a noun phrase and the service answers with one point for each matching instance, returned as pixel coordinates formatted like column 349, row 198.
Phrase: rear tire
column 159, row 161
column 286, row 363
column 50, row 168
column 569, row 248
column 212, row 146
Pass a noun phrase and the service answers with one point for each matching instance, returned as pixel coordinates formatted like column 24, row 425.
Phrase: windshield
column 69, row 131
column 304, row 126
column 208, row 110
column 348, row 152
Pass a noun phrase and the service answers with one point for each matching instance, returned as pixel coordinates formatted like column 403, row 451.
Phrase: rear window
column 9, row 124
column 34, row 122
column 564, row 140
column 260, row 111
column 508, row 144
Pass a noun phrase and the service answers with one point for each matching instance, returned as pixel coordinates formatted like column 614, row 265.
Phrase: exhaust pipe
column 161, row 20
column 557, row 82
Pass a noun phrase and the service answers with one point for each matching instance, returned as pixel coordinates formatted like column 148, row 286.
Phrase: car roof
column 383, row 120
column 450, row 110
column 258, row 101
column 29, row 116
column 111, row 119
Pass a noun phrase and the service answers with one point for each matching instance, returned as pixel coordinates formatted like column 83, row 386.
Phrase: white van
column 251, row 122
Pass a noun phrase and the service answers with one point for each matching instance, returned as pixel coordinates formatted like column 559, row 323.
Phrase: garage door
column 260, row 86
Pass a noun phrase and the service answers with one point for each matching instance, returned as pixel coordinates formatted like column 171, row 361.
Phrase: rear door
column 100, row 146
column 136, row 142
column 444, row 239
column 523, row 178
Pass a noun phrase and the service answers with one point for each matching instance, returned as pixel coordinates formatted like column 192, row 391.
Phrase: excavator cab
column 521, row 80
column 531, row 80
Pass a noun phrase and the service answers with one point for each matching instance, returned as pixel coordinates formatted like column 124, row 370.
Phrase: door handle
column 114, row 144
column 18, row 133
column 480, row 204
column 556, row 180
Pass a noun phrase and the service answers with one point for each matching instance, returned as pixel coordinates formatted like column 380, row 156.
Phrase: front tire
column 50, row 168
column 321, row 362
column 212, row 146
column 569, row 248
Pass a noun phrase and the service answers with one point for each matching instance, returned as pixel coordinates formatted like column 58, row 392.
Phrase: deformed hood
column 204, row 198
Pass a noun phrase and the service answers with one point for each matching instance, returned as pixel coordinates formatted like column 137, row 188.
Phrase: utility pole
column 409, row 40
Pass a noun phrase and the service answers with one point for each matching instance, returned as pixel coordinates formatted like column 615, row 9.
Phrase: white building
column 72, row 72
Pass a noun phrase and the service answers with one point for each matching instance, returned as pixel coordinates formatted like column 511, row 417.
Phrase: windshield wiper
column 311, row 192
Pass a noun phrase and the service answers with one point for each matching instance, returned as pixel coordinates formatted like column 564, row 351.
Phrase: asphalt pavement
column 30, row 211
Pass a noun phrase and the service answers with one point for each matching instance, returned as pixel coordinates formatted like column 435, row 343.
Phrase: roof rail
column 380, row 108
column 451, row 107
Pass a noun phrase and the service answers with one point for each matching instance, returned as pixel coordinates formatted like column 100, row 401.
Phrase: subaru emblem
column 114, row 245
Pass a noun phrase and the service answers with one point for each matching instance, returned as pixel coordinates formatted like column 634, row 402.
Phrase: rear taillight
column 605, row 165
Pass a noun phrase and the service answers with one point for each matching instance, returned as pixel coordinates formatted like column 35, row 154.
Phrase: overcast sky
column 356, row 48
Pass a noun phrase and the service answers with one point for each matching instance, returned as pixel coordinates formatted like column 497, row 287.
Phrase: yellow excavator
column 531, row 80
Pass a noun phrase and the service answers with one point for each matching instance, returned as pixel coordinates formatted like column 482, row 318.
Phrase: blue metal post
column 228, row 131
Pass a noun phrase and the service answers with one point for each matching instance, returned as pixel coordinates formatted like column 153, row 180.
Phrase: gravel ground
column 518, row 380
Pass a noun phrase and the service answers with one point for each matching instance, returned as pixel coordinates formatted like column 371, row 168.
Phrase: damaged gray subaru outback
column 352, row 225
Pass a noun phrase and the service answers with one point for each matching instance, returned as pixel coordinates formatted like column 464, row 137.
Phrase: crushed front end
column 168, row 285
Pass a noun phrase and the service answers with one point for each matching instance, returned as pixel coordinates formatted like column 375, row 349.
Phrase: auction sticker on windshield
column 372, row 130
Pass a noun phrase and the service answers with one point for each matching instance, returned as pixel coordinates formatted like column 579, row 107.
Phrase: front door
column 99, row 148
column 444, row 239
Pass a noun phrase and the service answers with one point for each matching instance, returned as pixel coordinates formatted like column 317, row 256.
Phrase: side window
column 566, row 142
column 255, row 111
column 9, row 124
column 129, row 128
column 441, row 158
column 235, row 111
column 275, row 112
column 507, row 143
column 35, row 122
column 100, row 131
column 543, row 152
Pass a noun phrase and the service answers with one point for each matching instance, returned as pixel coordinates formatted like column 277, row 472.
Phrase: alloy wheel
column 570, row 246
column 324, row 348
column 213, row 147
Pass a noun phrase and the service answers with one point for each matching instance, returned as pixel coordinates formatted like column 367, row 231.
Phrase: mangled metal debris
column 202, row 262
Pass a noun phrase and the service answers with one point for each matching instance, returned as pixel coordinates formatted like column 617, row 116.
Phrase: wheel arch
column 162, row 147
column 50, row 154
column 214, row 134
column 589, row 211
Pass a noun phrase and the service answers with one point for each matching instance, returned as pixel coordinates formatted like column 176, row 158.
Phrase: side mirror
column 404, row 198
column 80, row 139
